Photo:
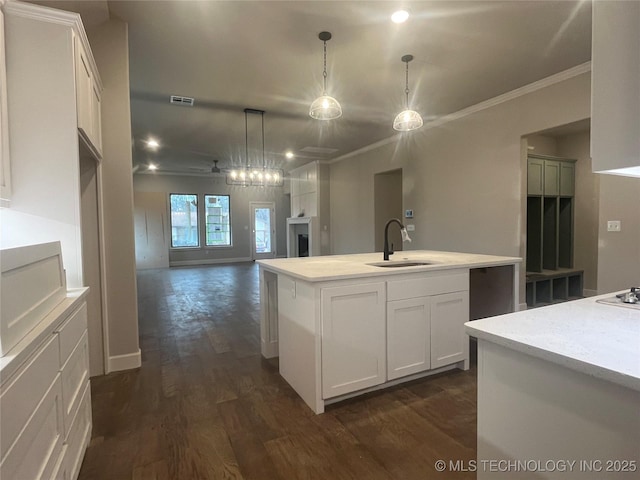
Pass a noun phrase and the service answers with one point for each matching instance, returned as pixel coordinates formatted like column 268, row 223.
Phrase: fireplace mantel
column 303, row 226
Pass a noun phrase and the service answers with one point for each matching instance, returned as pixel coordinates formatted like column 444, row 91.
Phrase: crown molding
column 38, row 12
column 492, row 102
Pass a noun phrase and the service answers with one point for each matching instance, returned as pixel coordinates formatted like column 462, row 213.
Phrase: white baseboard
column 128, row 361
column 208, row 261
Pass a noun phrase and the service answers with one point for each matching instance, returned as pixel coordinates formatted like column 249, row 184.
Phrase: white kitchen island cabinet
column 353, row 338
column 559, row 392
column 408, row 341
column 343, row 326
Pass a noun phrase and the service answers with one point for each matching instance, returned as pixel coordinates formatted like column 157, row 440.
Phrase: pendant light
column 255, row 176
column 325, row 107
column 407, row 120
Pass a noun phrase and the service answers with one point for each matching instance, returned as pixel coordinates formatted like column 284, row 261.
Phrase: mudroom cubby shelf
column 553, row 286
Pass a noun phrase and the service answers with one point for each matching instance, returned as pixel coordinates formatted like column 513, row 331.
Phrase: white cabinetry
column 88, row 99
column 408, row 341
column 615, row 87
column 52, row 92
column 5, row 163
column 353, row 338
column 45, row 402
column 425, row 322
column 341, row 337
column 449, row 343
column 310, row 198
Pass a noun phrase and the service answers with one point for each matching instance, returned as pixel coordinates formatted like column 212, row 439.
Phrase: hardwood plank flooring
column 206, row 405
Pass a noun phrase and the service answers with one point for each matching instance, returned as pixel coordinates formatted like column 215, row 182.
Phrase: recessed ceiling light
column 152, row 143
column 400, row 16
column 289, row 154
column 152, row 166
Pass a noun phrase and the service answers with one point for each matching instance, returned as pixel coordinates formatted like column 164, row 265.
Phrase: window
column 217, row 219
column 184, row 220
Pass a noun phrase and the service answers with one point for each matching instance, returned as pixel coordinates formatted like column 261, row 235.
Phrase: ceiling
column 266, row 55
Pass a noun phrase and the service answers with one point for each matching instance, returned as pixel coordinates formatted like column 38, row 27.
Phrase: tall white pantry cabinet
column 54, row 159
column 55, row 144
column 53, row 102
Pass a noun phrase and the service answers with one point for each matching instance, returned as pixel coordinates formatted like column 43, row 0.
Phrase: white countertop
column 25, row 347
column 337, row 267
column 590, row 337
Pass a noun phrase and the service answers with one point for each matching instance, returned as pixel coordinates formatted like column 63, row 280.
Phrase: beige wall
column 619, row 252
column 240, row 213
column 388, row 205
column 464, row 179
column 585, row 240
column 109, row 43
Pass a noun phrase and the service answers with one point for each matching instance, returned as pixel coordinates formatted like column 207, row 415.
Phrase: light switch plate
column 613, row 226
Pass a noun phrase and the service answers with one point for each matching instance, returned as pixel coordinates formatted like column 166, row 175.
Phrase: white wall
column 163, row 185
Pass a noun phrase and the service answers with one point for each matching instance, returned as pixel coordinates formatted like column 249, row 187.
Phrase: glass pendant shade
column 407, row 120
column 325, row 108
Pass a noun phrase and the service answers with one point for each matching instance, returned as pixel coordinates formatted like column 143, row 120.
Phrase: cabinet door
column 84, row 90
column 449, row 342
column 535, row 176
column 567, row 179
column 551, row 178
column 96, row 118
column 408, row 337
column 353, row 338
column 5, row 163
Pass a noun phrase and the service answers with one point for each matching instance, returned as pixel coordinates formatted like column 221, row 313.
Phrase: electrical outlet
column 411, row 228
column 613, row 226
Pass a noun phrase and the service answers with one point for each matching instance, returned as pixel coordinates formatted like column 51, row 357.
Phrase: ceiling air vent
column 179, row 100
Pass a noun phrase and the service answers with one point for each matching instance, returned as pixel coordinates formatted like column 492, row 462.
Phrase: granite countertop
column 338, row 267
column 584, row 335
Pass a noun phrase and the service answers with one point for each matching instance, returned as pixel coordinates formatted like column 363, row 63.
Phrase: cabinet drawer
column 38, row 447
column 70, row 331
column 60, row 471
column 79, row 435
column 433, row 284
column 23, row 394
column 74, row 378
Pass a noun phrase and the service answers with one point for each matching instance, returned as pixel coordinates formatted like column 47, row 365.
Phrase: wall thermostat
column 408, row 214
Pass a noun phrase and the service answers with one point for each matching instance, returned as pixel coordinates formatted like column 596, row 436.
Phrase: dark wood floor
column 205, row 405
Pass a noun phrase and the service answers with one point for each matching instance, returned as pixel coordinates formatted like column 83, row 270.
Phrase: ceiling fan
column 215, row 168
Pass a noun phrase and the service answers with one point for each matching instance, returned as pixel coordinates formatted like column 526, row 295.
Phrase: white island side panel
column 599, row 340
column 299, row 339
column 542, row 414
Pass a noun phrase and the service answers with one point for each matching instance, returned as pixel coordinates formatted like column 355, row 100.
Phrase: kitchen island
column 556, row 385
column 343, row 325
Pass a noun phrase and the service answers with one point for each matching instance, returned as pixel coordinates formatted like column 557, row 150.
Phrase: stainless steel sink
column 400, row 263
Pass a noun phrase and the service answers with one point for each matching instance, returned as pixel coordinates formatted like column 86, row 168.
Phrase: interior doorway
column 92, row 263
column 263, row 230
column 387, row 204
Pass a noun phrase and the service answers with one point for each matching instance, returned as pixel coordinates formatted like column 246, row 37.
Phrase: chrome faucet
column 405, row 237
